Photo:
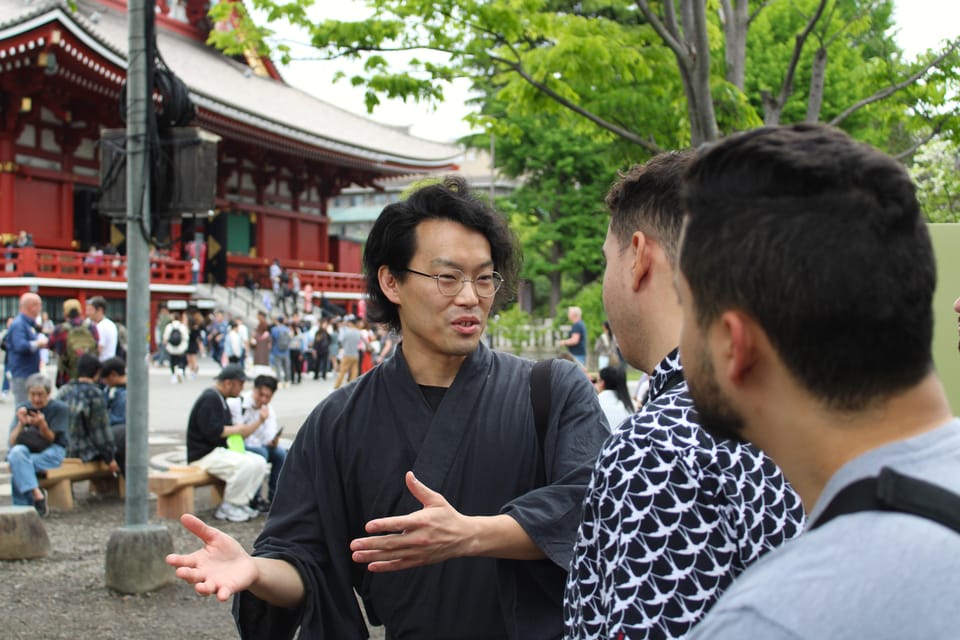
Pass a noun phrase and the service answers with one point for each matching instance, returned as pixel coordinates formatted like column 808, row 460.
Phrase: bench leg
column 60, row 495
column 216, row 492
column 107, row 486
column 173, row 505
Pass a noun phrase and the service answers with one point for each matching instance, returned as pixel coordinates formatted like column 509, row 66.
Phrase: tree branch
column 906, row 153
column 889, row 91
column 669, row 38
column 559, row 99
column 786, row 89
column 757, row 11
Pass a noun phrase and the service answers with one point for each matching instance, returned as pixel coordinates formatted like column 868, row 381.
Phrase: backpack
column 283, row 339
column 79, row 341
column 322, row 340
column 121, row 342
column 175, row 338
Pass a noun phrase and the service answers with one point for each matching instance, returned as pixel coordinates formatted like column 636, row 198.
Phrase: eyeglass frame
column 463, row 281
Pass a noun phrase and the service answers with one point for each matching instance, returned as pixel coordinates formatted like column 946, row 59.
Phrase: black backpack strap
column 540, row 397
column 892, row 491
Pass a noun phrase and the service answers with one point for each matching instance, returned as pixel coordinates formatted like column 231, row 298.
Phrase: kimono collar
column 480, row 358
column 667, row 374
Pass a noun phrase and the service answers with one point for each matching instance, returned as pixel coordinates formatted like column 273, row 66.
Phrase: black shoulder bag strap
column 540, row 398
column 892, row 491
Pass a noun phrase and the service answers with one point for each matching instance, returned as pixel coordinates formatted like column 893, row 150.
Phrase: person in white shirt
column 265, row 441
column 234, row 343
column 107, row 329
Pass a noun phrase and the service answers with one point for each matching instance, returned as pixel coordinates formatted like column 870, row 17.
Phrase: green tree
column 657, row 74
column 557, row 209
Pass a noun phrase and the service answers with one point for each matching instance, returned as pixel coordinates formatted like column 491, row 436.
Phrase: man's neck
column 663, row 336
column 812, row 443
column 433, row 370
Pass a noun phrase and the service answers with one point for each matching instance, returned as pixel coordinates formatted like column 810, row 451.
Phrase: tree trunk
column 771, row 108
column 703, row 119
column 736, row 21
column 555, row 279
column 818, row 73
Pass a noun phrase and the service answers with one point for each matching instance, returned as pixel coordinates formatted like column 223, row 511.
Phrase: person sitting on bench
column 38, row 441
column 209, row 427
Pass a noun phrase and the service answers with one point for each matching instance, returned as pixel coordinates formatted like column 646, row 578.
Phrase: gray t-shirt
column 350, row 339
column 872, row 574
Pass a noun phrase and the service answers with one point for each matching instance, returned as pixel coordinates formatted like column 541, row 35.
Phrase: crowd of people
column 309, row 344
column 87, row 417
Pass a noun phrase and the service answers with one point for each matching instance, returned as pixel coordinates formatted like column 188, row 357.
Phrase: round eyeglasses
column 450, row 282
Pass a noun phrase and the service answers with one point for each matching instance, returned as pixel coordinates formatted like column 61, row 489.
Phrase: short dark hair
column 88, row 366
column 113, row 365
column 264, row 380
column 821, row 240
column 392, row 240
column 98, row 302
column 648, row 198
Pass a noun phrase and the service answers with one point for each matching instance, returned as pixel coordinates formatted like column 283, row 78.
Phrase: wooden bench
column 174, row 489
column 59, row 482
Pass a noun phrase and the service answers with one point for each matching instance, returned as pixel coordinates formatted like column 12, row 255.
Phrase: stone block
column 22, row 534
column 135, row 559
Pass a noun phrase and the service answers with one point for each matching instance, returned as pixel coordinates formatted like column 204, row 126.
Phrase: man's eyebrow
column 446, row 262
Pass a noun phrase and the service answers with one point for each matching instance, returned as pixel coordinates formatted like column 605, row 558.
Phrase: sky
column 922, row 23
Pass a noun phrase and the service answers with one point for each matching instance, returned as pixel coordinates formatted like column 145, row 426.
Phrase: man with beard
column 671, row 515
column 424, row 485
column 806, row 281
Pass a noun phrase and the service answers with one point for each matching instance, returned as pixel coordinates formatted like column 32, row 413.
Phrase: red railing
column 243, row 271
column 77, row 265
column 332, row 281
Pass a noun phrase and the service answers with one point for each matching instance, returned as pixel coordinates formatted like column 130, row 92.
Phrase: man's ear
column 388, row 284
column 642, row 251
column 741, row 342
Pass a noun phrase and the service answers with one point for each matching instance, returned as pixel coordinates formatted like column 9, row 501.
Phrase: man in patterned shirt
column 671, row 514
column 90, row 435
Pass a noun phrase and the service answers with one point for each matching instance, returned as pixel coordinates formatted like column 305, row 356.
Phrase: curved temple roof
column 230, row 92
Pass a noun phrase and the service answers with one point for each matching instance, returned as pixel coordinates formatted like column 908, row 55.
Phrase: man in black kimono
column 423, row 485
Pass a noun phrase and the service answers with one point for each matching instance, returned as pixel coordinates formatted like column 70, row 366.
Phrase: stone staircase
column 237, row 302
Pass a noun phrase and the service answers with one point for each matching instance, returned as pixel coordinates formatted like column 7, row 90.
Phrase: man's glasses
column 451, row 282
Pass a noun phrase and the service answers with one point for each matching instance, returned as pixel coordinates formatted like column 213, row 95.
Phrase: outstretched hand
column 222, row 567
column 433, row 534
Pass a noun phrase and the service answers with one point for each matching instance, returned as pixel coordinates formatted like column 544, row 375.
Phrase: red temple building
column 282, row 155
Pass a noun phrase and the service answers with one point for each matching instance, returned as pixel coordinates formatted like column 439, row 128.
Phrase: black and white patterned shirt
column 671, row 516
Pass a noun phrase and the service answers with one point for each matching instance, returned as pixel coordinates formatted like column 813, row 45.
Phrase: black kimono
column 480, row 450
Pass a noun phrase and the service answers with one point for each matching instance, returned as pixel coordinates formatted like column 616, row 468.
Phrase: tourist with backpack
column 176, row 338
column 71, row 339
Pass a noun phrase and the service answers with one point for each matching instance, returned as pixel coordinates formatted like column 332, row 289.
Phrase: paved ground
column 68, row 586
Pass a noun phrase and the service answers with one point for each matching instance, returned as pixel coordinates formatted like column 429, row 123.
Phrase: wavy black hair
column 393, row 241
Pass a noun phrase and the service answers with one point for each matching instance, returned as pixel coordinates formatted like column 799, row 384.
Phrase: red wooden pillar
column 7, row 182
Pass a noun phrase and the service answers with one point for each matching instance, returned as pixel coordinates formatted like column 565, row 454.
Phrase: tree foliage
column 936, row 170
column 557, row 209
column 659, row 75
